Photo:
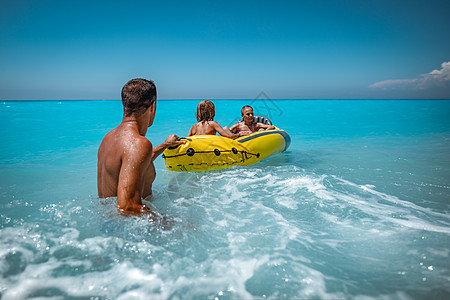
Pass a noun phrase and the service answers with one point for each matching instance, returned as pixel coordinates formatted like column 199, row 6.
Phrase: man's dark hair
column 244, row 107
column 137, row 96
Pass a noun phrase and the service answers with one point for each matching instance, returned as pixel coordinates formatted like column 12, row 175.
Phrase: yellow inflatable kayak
column 212, row 152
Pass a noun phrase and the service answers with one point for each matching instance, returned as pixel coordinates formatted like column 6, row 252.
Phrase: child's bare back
column 206, row 125
column 203, row 128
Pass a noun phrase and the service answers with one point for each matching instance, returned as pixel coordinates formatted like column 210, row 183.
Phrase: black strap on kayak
column 217, row 152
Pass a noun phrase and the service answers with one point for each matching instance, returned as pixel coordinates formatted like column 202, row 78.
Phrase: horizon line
column 228, row 99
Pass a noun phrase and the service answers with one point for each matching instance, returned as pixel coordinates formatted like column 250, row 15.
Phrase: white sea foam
column 124, row 276
column 375, row 207
column 227, row 276
column 287, row 201
column 372, row 205
column 390, row 198
column 235, row 230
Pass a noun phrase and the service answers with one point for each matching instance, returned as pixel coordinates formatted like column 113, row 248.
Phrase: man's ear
column 153, row 106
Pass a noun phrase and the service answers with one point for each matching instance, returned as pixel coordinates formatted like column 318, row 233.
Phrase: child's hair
column 205, row 111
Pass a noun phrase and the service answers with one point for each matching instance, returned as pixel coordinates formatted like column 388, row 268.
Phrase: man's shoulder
column 142, row 143
column 138, row 150
column 107, row 140
column 131, row 142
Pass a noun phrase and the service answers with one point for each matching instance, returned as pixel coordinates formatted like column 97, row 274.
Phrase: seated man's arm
column 264, row 126
column 234, row 127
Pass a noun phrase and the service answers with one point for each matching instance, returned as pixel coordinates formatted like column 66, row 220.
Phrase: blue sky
column 225, row 49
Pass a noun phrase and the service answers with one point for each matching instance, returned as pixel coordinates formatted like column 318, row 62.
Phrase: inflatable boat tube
column 212, row 152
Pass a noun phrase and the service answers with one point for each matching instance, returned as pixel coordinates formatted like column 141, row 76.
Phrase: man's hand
column 173, row 140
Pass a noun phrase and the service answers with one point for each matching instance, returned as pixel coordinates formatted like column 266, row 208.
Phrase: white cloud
column 434, row 79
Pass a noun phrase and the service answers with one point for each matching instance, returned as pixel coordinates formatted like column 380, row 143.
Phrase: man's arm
column 135, row 162
column 234, row 127
column 261, row 125
column 172, row 140
column 99, row 171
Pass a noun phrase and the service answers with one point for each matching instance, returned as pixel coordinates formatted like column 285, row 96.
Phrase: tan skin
column 211, row 128
column 247, row 125
column 125, row 162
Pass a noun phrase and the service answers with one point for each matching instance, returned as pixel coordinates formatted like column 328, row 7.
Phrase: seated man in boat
column 206, row 126
column 248, row 125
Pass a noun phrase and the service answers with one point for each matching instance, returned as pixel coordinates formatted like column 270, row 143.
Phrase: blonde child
column 206, row 124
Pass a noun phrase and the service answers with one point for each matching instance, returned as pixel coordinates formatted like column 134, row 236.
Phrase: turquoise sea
column 357, row 208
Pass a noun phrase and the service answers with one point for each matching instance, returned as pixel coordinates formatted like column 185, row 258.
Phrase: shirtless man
column 247, row 126
column 125, row 157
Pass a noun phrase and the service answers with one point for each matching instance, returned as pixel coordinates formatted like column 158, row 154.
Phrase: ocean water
column 357, row 208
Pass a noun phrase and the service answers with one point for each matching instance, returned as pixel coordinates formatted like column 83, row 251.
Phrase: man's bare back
column 125, row 157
